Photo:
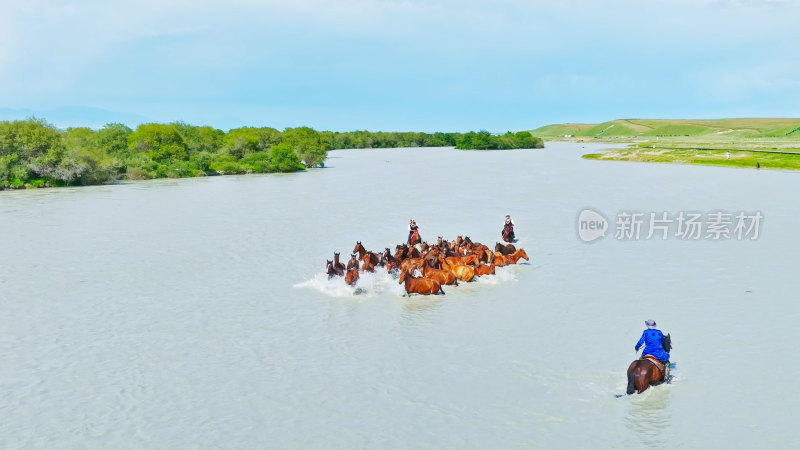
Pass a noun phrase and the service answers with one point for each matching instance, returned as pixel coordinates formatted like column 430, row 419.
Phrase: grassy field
column 768, row 143
column 712, row 130
column 734, row 158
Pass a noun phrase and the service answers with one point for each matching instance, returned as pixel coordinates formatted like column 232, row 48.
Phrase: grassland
column 764, row 143
column 713, row 130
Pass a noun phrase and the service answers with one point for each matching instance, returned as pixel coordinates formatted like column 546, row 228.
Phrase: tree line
column 34, row 153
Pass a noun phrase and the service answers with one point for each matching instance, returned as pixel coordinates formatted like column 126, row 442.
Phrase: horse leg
column 631, row 388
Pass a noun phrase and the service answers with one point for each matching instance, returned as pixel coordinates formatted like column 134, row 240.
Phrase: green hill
column 649, row 128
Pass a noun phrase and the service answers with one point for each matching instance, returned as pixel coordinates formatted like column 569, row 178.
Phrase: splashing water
column 380, row 282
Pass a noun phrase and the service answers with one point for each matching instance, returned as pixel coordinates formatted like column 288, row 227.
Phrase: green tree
column 113, row 138
column 161, row 142
column 284, row 159
column 307, row 144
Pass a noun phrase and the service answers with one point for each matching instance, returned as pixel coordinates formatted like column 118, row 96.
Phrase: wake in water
column 379, row 282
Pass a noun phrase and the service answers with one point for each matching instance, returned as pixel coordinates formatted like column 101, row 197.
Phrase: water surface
column 193, row 313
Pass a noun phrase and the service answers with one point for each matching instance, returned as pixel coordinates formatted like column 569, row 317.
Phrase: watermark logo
column 591, row 225
column 685, row 225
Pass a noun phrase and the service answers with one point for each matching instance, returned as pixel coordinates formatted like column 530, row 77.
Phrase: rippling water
column 194, row 313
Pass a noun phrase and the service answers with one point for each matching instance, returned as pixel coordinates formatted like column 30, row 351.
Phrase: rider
column 508, row 224
column 412, row 226
column 653, row 340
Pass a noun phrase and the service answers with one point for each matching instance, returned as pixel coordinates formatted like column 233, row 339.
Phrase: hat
column 650, row 323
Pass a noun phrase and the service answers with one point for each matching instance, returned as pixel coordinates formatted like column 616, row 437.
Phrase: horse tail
column 631, row 388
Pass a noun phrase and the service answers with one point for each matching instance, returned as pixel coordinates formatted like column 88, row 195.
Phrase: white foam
column 380, row 281
column 368, row 284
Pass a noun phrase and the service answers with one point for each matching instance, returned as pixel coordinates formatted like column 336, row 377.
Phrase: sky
column 427, row 65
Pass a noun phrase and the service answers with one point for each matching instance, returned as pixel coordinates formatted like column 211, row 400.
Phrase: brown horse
column 505, row 249
column 424, row 286
column 648, row 371
column 462, row 272
column 353, row 263
column 444, row 277
column 364, row 255
column 500, row 259
column 483, row 269
column 514, row 257
column 330, row 270
column 338, row 266
column 508, row 233
column 409, row 264
column 400, row 252
column 367, row 266
column 414, row 239
column 351, row 277
column 470, row 260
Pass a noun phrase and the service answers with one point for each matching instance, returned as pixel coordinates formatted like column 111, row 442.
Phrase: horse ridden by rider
column 508, row 229
column 653, row 367
column 413, row 233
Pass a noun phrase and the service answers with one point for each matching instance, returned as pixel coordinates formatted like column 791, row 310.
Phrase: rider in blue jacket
column 653, row 340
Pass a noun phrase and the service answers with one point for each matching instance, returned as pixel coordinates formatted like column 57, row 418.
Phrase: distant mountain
column 718, row 128
column 75, row 116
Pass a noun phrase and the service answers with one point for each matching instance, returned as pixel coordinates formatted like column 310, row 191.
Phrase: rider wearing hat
column 412, row 226
column 653, row 340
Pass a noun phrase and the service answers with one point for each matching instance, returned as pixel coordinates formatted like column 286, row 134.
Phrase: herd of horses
column 445, row 263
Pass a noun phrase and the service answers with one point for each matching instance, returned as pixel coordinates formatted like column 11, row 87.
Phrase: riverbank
column 742, row 153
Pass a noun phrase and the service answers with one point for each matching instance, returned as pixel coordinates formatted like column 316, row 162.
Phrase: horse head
column 335, row 257
column 522, row 254
column 403, row 275
column 359, row 247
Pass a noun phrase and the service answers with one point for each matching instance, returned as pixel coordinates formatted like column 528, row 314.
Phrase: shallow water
column 195, row 313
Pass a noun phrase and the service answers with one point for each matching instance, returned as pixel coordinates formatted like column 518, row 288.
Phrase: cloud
column 162, row 58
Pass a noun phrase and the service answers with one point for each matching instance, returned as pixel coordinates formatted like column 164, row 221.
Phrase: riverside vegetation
column 748, row 143
column 34, row 153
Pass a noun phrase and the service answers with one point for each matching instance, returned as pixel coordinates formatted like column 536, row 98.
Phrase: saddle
column 657, row 363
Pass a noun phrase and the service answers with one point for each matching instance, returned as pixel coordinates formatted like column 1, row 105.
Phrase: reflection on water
column 649, row 417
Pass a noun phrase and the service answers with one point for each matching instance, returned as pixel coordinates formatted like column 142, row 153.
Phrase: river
column 194, row 313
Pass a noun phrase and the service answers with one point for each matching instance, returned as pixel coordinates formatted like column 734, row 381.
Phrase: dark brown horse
column 648, row 371
column 353, row 263
column 414, row 239
column 508, row 233
column 505, row 249
column 338, row 266
column 424, row 286
column 330, row 270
